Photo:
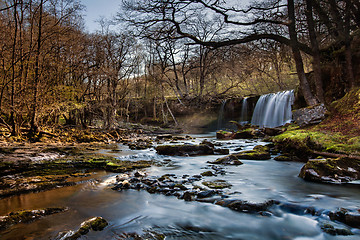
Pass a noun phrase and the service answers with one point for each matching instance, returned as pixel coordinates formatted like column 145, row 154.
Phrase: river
column 138, row 211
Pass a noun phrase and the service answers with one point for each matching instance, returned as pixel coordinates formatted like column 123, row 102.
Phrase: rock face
column 340, row 170
column 310, row 115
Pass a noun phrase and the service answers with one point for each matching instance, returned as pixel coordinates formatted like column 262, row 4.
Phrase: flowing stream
column 139, row 211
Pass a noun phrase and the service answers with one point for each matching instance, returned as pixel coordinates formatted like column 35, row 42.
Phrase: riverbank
column 151, row 201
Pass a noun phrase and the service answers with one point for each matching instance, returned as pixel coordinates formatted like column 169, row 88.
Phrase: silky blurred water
column 139, row 211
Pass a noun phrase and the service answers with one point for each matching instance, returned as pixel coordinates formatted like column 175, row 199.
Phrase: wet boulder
column 227, row 160
column 245, row 206
column 206, row 194
column 340, row 170
column 258, row 153
column 345, row 216
column 334, row 229
column 223, row 135
column 217, row 184
column 244, row 134
column 207, row 174
column 95, row 224
column 26, row 216
column 185, row 150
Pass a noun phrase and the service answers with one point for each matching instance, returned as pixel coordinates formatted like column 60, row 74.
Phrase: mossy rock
column 95, row 224
column 217, row 184
column 26, row 216
column 287, row 158
column 253, row 155
column 244, row 134
column 227, row 160
column 207, row 174
column 223, row 135
column 340, row 170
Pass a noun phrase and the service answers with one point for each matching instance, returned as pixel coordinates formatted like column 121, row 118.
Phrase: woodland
column 54, row 73
column 93, row 125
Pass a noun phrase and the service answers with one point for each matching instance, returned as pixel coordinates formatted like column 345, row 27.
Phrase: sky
column 95, row 9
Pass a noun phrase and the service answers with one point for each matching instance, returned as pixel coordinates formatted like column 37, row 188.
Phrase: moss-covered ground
column 339, row 133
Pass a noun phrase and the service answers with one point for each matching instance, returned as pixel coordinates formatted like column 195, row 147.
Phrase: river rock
column 227, row 160
column 253, row 155
column 185, row 150
column 223, row 135
column 332, row 229
column 207, row 174
column 217, row 184
column 273, row 131
column 26, row 216
column 206, row 194
column 287, row 158
column 245, row 206
column 345, row 216
column 244, row 134
column 95, row 224
column 340, row 170
column 310, row 115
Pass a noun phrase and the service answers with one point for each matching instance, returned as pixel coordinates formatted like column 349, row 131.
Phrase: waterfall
column 273, row 110
column 244, row 112
column 221, row 115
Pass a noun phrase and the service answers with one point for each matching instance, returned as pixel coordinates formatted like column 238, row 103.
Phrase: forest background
column 54, row 73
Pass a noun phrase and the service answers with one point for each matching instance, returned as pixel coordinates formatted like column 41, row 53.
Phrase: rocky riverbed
column 190, row 195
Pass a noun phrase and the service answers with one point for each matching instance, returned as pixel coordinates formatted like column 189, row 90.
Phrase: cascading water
column 221, row 114
column 244, row 111
column 273, row 110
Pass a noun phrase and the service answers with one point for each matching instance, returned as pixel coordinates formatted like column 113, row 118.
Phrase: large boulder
column 309, row 115
column 185, row 150
column 340, row 170
column 259, row 152
column 227, row 160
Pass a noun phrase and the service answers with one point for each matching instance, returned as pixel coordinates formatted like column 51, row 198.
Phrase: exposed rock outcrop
column 310, row 115
column 340, row 170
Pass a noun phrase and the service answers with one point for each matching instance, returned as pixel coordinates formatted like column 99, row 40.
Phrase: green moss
column 207, row 174
column 98, row 224
column 308, row 140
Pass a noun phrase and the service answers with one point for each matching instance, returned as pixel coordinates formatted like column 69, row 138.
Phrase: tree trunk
column 316, row 56
column 348, row 53
column 304, row 85
column 33, row 124
column 14, row 130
